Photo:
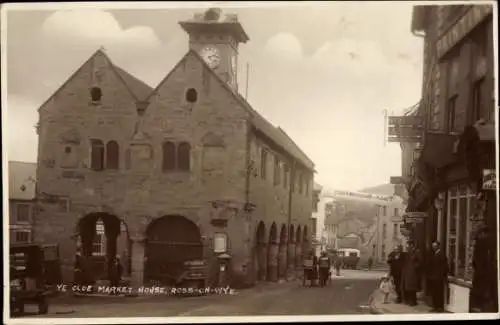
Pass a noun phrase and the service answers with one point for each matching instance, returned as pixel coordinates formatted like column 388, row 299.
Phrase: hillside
column 383, row 189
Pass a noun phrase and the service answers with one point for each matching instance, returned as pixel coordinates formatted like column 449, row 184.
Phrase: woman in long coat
column 409, row 276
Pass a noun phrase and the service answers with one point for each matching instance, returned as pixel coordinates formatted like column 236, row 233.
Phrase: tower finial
column 212, row 14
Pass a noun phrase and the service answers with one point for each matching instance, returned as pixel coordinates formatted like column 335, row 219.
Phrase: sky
column 324, row 73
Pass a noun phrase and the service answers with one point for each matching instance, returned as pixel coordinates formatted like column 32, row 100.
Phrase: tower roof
column 210, row 22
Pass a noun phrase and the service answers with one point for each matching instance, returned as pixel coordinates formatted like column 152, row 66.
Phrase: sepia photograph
column 191, row 162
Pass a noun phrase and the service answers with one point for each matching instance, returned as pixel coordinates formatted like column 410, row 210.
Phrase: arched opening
column 260, row 242
column 282, row 253
column 191, row 95
column 171, row 241
column 112, row 155
column 184, row 156
column 169, row 156
column 272, row 254
column 101, row 238
column 298, row 248
column 291, row 248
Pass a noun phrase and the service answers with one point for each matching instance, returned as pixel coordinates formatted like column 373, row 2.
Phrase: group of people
column 407, row 269
column 81, row 270
column 319, row 268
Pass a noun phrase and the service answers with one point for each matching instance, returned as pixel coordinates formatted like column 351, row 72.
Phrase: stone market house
column 185, row 171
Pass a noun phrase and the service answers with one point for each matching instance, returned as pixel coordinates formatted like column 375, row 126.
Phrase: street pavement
column 346, row 294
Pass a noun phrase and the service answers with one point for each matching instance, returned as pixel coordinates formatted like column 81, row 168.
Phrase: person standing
column 310, row 269
column 409, row 275
column 324, row 268
column 370, row 263
column 338, row 264
column 395, row 261
column 438, row 272
column 78, row 268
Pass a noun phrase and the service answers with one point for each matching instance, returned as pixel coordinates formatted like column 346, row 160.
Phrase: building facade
column 22, row 180
column 185, row 171
column 387, row 229
column 450, row 183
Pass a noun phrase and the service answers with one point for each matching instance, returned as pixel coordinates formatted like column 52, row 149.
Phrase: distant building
column 22, row 205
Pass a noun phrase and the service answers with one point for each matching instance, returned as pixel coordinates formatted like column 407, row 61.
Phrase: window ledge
column 459, row 281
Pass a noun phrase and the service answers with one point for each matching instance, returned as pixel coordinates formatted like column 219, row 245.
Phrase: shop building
column 184, row 171
column 453, row 184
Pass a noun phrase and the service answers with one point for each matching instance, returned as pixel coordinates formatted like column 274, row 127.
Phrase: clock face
column 211, row 56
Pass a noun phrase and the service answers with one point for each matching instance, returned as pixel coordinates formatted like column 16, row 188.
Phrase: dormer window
column 95, row 94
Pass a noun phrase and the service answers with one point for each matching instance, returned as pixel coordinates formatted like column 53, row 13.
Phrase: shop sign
column 489, row 179
column 415, row 217
column 220, row 243
column 405, row 128
column 465, row 25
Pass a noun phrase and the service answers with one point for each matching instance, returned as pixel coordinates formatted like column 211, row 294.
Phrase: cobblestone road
column 347, row 294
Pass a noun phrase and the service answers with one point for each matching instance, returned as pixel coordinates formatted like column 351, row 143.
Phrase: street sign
column 489, row 179
column 421, row 215
column 411, row 121
column 395, row 180
column 414, row 220
column 399, row 131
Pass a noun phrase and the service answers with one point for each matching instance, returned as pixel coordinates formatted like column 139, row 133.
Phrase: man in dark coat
column 324, row 268
column 395, row 261
column 484, row 282
column 438, row 272
column 409, row 275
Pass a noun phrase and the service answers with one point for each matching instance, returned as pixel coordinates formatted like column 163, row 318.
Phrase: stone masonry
column 224, row 162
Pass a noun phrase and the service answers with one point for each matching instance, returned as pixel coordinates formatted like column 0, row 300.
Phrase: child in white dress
column 386, row 287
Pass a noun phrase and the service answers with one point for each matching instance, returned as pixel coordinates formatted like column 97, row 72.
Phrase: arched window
column 96, row 94
column 112, row 155
column 191, row 95
column 168, row 156
column 96, row 154
column 183, row 156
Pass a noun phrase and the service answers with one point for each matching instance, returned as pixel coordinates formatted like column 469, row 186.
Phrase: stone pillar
column 282, row 252
column 138, row 260
column 272, row 262
column 291, row 258
column 298, row 256
column 261, row 262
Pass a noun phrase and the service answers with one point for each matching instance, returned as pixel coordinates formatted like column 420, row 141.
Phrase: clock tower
column 216, row 40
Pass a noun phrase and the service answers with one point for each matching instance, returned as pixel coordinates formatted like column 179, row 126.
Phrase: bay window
column 460, row 205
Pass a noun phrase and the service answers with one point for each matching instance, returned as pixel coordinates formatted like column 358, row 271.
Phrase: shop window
column 460, row 206
column 184, row 156
column 169, row 156
column 23, row 212
column 263, row 164
column 112, row 155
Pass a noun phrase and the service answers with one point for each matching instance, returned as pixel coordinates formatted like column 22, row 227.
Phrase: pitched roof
column 137, row 88
column 275, row 134
column 22, row 180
